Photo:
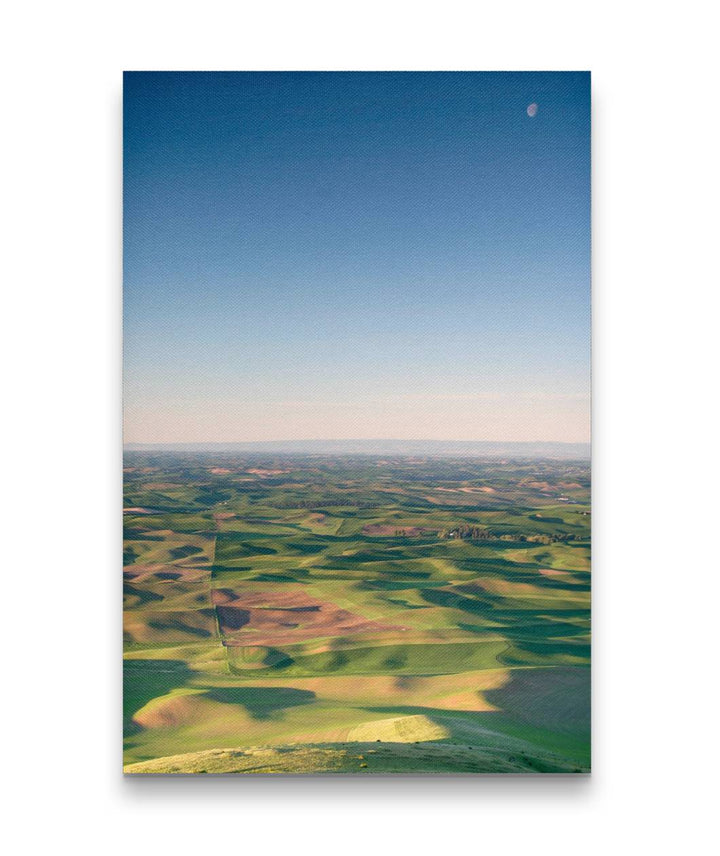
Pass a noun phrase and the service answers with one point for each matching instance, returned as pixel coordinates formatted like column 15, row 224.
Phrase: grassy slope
column 357, row 758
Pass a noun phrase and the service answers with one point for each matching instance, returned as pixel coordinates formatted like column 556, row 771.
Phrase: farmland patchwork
column 356, row 614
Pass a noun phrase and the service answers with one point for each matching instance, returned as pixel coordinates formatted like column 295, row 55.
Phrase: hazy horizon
column 378, row 447
column 314, row 255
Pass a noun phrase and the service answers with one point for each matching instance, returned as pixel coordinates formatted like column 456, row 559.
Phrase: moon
column 532, row 109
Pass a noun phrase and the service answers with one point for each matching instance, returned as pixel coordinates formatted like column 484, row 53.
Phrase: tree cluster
column 479, row 533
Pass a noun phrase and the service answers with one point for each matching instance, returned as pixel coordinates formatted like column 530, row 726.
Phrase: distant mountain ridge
column 469, row 448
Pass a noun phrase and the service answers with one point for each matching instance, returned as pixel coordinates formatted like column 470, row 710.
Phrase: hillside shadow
column 557, row 699
column 262, row 702
column 535, row 633
column 144, row 680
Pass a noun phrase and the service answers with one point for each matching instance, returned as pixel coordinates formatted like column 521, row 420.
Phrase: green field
column 300, row 614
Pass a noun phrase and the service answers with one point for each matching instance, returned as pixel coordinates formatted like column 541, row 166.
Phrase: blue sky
column 345, row 255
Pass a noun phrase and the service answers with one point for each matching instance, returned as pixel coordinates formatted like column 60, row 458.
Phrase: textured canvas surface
column 357, row 418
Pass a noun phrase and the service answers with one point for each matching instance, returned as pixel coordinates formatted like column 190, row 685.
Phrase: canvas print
column 356, row 422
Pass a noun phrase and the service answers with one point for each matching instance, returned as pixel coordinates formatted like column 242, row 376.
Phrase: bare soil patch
column 277, row 617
